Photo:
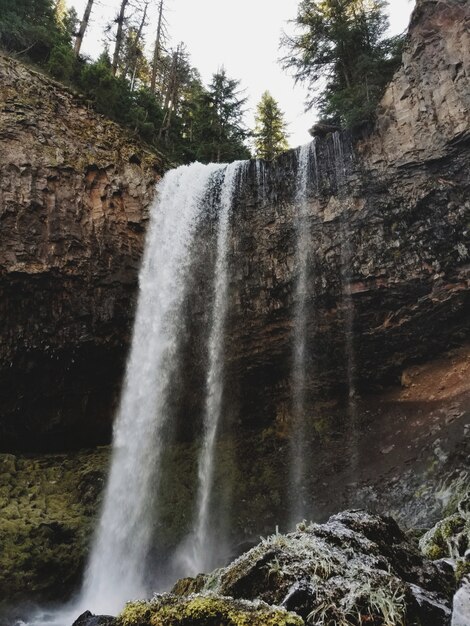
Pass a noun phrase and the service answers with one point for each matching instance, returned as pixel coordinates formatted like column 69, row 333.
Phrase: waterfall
column 199, row 549
column 116, row 571
column 346, row 255
column 299, row 372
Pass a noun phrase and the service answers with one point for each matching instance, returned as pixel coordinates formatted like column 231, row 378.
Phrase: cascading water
column 116, row 571
column 199, row 549
column 346, row 255
column 299, row 371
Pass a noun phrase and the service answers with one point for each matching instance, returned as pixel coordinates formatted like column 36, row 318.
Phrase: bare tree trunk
column 136, row 44
column 156, row 51
column 83, row 27
column 171, row 95
column 119, row 35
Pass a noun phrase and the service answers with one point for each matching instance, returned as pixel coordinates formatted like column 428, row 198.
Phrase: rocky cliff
column 74, row 191
column 389, row 285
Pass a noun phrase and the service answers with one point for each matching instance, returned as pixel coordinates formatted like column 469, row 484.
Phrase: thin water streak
column 346, row 255
column 298, row 507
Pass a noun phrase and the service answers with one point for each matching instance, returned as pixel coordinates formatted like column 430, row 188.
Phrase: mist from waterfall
column 117, row 566
column 199, row 551
column 299, row 452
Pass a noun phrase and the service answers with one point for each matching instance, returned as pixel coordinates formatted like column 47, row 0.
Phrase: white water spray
column 116, row 571
column 199, row 549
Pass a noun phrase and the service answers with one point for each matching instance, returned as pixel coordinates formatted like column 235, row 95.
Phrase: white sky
column 241, row 35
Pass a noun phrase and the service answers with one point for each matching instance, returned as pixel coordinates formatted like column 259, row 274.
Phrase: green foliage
column 270, row 129
column 110, row 94
column 219, row 129
column 342, row 48
column 62, row 63
column 181, row 117
column 35, row 27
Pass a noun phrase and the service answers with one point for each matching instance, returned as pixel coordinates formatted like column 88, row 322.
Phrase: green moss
column 462, row 569
column 46, row 521
column 204, row 610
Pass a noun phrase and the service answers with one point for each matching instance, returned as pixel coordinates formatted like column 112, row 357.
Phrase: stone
column 88, row 619
column 355, row 563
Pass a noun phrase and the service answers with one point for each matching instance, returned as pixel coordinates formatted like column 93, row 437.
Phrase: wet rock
column 204, row 610
column 355, row 564
column 88, row 619
column 461, row 605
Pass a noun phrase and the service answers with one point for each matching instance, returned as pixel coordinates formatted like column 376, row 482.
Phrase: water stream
column 116, row 571
column 199, row 551
column 299, row 451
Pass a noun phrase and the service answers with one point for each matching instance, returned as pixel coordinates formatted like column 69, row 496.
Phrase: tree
column 159, row 38
column 220, row 129
column 270, row 129
column 28, row 26
column 120, row 21
column 342, row 47
column 83, row 27
column 134, row 61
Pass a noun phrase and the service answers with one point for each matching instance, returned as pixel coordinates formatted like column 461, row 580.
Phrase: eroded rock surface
column 74, row 193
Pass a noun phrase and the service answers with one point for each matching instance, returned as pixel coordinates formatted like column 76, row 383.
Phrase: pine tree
column 221, row 131
column 341, row 52
column 270, row 129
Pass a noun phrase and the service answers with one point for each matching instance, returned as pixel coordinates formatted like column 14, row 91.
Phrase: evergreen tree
column 270, row 129
column 28, row 26
column 342, row 45
column 220, row 128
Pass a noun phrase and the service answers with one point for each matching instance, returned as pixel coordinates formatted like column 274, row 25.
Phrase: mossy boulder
column 356, row 566
column 204, row 610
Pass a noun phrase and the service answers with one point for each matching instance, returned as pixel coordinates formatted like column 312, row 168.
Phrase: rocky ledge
column 355, row 569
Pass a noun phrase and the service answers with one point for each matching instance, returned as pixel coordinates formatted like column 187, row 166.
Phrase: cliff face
column 388, row 285
column 389, row 241
column 424, row 113
column 393, row 236
column 74, row 191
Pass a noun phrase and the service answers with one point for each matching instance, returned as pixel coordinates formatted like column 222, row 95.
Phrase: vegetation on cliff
column 47, row 508
column 342, row 54
column 169, row 108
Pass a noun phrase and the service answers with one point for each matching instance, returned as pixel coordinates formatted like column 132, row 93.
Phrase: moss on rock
column 450, row 538
column 47, row 506
column 204, row 610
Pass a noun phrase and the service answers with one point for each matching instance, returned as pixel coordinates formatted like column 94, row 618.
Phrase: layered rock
column 74, row 194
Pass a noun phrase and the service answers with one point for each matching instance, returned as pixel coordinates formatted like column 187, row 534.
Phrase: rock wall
column 74, row 193
column 424, row 113
column 389, row 287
